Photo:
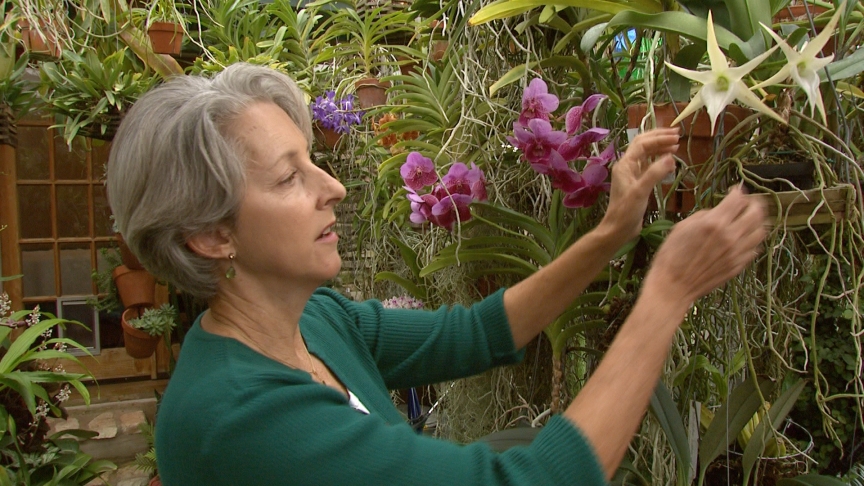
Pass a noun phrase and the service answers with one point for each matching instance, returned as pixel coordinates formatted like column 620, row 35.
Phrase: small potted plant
column 333, row 117
column 143, row 328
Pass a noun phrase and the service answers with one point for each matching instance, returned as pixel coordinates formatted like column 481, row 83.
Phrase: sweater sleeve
column 310, row 437
column 419, row 347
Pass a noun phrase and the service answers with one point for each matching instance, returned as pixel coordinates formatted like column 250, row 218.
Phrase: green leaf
column 412, row 288
column 511, row 77
column 844, row 68
column 739, row 409
column 776, row 414
column 811, row 480
column 664, row 409
column 509, row 8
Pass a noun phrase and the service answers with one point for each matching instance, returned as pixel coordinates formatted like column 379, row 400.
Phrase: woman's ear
column 215, row 244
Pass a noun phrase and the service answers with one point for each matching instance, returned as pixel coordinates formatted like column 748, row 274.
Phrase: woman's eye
column 289, row 179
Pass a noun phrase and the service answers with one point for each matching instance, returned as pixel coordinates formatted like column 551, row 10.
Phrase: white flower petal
column 815, row 46
column 702, row 77
column 715, row 55
column 694, row 105
column 746, row 97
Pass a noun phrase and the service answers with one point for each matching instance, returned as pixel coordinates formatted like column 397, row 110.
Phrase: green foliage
column 30, row 391
column 156, row 321
column 830, row 358
column 91, row 90
column 104, row 279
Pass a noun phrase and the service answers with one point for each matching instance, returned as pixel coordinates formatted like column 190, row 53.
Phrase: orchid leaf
column 729, row 419
column 508, row 8
column 682, row 23
column 844, row 68
column 776, row 414
column 664, row 409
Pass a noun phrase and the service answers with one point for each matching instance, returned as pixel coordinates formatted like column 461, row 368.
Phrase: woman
column 281, row 382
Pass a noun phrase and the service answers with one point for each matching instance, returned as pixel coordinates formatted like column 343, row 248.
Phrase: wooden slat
column 814, row 206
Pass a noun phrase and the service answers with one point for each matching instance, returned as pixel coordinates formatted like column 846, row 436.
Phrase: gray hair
column 175, row 170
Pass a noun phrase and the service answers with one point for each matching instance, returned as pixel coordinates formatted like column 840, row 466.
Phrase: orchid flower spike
column 722, row 85
column 804, row 66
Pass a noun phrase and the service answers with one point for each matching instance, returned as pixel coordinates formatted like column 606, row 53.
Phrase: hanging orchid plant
column 446, row 202
column 551, row 152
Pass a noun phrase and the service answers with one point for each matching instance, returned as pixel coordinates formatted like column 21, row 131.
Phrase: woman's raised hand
column 646, row 162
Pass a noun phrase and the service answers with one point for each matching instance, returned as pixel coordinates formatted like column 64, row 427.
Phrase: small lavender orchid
column 402, row 302
column 537, row 103
column 573, row 119
column 337, row 115
column 537, row 139
column 550, row 152
column 447, row 201
column 593, row 183
column 418, row 171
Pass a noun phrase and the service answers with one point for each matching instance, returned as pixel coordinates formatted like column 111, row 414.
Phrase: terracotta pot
column 439, row 49
column 35, row 43
column 166, row 37
column 326, row 137
column 137, row 288
column 798, row 13
column 696, row 146
column 371, row 92
column 138, row 343
column 129, row 259
column 407, row 65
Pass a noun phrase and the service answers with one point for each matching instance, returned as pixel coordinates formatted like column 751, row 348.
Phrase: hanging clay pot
column 371, row 92
column 166, row 37
column 35, row 43
column 129, row 259
column 138, row 343
column 326, row 137
column 137, row 288
column 798, row 13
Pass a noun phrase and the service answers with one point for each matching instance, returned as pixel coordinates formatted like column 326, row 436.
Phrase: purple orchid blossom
column 418, row 171
column 447, row 201
column 445, row 212
column 537, row 102
column 537, row 140
column 562, row 176
column 606, row 156
column 578, row 147
column 573, row 119
column 594, row 182
column 337, row 115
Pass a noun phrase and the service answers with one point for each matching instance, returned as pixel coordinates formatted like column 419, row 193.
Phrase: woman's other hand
column 646, row 162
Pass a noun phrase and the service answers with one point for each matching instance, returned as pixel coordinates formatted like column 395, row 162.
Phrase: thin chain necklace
column 312, row 365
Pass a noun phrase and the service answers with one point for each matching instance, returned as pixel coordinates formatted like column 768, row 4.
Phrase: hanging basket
column 166, row 38
column 797, row 209
column 137, row 288
column 138, row 343
column 371, row 92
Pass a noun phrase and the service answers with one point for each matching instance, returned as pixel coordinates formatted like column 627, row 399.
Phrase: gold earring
column 230, row 273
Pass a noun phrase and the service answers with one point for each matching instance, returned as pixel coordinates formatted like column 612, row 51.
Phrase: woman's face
column 284, row 229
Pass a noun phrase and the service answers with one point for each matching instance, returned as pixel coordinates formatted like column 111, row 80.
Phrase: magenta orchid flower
column 562, row 176
column 537, row 140
column 578, row 147
column 478, row 184
column 606, row 156
column 573, row 119
column 418, row 171
column 594, row 182
column 444, row 213
column 447, row 201
column 537, row 102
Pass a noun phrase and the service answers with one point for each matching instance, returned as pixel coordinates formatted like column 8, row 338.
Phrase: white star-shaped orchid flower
column 722, row 84
column 804, row 66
